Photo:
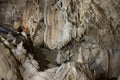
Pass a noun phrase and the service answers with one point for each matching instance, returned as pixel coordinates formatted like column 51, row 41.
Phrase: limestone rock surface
column 59, row 39
column 9, row 69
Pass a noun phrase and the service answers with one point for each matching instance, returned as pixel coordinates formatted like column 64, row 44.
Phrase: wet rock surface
column 59, row 40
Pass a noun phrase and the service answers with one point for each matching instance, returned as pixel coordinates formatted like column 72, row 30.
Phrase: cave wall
column 9, row 67
column 83, row 31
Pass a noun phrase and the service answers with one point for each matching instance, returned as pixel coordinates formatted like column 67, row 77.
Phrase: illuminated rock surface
column 59, row 39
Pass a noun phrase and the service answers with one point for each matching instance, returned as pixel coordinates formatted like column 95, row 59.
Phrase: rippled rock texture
column 59, row 39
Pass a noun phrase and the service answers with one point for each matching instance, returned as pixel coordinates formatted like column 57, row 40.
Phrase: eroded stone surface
column 69, row 71
column 8, row 65
column 63, row 25
column 72, row 18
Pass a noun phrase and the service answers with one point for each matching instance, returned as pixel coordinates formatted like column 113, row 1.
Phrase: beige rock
column 59, row 30
column 8, row 65
column 69, row 71
column 64, row 25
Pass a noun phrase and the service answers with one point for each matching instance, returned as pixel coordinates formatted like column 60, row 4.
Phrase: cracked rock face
column 59, row 39
column 72, row 18
column 8, row 65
